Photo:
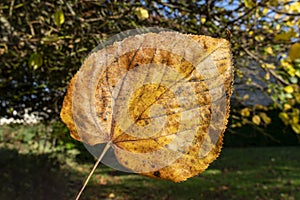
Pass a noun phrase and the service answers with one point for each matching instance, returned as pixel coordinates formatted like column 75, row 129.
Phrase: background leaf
column 59, row 18
column 35, row 60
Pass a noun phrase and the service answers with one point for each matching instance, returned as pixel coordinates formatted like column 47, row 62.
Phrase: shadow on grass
column 32, row 177
column 251, row 173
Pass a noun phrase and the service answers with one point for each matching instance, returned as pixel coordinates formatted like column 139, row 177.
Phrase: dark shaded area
column 274, row 134
column 33, row 177
column 239, row 173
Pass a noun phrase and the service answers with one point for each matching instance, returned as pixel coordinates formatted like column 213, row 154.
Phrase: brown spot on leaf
column 156, row 173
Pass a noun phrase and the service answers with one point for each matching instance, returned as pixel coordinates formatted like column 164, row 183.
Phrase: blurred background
column 44, row 42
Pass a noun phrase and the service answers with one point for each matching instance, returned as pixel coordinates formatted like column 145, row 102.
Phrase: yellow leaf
column 156, row 117
column 249, row 3
column 284, row 117
column 294, row 52
column 245, row 112
column 286, row 107
column 296, row 112
column 259, row 38
column 59, row 18
column 269, row 50
column 269, row 90
column 297, row 73
column 203, row 20
column 295, row 7
column 246, row 96
column 260, row 107
column 288, row 67
column 289, row 89
column 256, row 119
column 295, row 119
column 296, row 128
column 267, row 76
column 238, row 124
column 278, row 16
column 265, row 11
column 268, row 66
column 285, row 63
column 286, row 36
column 265, row 118
column 142, row 13
column 290, row 22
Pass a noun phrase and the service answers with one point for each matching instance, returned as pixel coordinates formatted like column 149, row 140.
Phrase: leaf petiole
column 94, row 168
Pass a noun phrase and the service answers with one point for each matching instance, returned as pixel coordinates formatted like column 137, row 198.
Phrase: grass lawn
column 239, row 173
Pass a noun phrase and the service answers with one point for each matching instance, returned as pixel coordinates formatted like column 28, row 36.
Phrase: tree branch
column 279, row 78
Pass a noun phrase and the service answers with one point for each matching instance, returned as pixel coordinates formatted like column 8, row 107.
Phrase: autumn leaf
column 141, row 13
column 59, row 18
column 159, row 100
column 284, row 117
column 268, row 66
column 245, row 112
column 294, row 52
column 285, row 36
column 265, row 118
column 289, row 89
column 286, row 106
column 35, row 60
column 256, row 119
column 249, row 3
column 269, row 50
column 296, row 128
column 294, row 7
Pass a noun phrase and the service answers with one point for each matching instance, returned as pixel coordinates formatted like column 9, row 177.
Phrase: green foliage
column 43, row 43
column 39, row 139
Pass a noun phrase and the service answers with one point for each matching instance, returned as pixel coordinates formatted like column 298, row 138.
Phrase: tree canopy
column 43, row 43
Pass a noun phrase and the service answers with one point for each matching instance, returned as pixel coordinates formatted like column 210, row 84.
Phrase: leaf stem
column 94, row 168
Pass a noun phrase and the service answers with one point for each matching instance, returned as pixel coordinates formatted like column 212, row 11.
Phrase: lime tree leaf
column 266, row 119
column 256, row 119
column 273, row 2
column 154, row 99
column 294, row 52
column 294, row 7
column 249, row 3
column 286, row 106
column 284, row 117
column 245, row 112
column 141, row 13
column 296, row 128
column 285, row 36
column 269, row 50
column 268, row 66
column 35, row 60
column 59, row 18
column 289, row 89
